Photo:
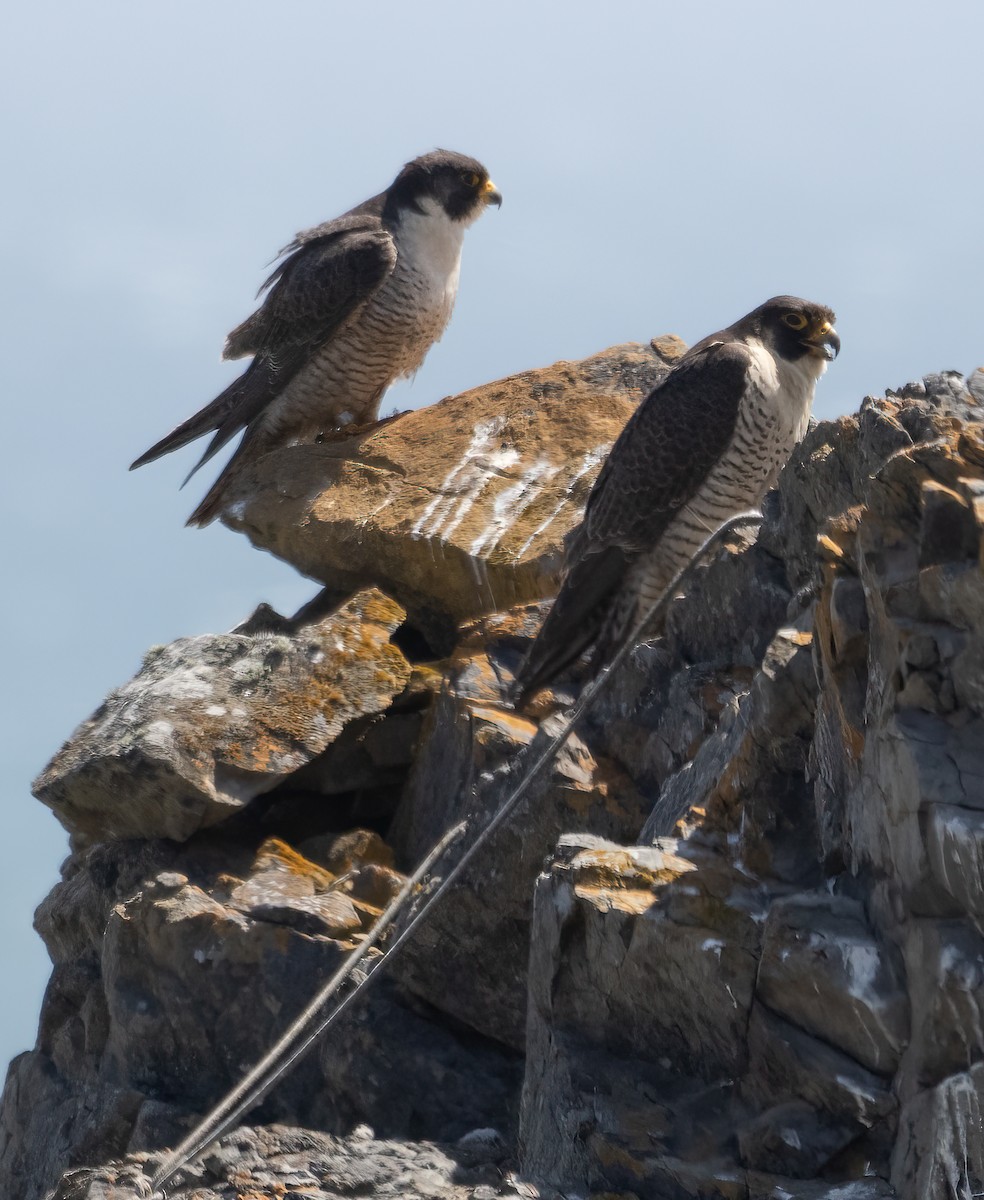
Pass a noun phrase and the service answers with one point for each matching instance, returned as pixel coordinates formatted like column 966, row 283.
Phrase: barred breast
column 770, row 422
column 387, row 339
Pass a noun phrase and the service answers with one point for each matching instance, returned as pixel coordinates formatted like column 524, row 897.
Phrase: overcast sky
column 665, row 168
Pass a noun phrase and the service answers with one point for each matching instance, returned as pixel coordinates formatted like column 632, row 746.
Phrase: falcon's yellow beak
column 824, row 342
column 491, row 194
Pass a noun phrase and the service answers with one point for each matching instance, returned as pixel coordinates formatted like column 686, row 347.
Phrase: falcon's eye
column 471, row 179
column 794, row 320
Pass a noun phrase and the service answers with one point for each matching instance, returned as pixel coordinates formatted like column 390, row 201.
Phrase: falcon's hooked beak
column 491, row 194
column 824, row 342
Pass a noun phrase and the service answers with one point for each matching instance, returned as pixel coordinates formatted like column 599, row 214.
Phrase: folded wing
column 660, row 459
column 327, row 276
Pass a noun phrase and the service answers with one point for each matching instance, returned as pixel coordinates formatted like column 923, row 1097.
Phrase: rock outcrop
column 456, row 509
column 209, row 723
column 732, row 945
column 783, row 986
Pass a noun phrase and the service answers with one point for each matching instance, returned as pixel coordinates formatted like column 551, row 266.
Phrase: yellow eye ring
column 471, row 179
column 794, row 320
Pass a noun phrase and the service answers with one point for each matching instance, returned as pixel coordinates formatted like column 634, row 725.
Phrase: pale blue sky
column 664, row 168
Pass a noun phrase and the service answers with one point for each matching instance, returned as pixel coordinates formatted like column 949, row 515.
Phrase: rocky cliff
column 731, row 946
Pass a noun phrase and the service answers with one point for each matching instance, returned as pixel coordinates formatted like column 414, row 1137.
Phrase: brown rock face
column 209, row 723
column 775, row 992
column 456, row 509
column 806, row 1021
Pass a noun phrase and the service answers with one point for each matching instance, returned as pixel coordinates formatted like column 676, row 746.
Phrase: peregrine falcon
column 356, row 304
column 707, row 443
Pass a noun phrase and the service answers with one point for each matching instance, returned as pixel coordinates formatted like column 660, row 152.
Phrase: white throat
column 791, row 384
column 431, row 240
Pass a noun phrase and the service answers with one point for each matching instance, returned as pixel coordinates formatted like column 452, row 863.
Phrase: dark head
column 793, row 328
column 460, row 184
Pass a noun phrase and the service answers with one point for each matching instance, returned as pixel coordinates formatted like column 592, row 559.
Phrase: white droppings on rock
column 862, row 1096
column 459, row 480
column 481, row 474
column 183, row 683
column 158, row 732
column 862, row 962
column 512, row 502
column 590, row 460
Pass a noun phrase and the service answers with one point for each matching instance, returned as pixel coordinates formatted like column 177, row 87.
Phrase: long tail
column 255, row 443
column 574, row 622
column 210, row 507
column 215, row 498
column 212, row 417
column 231, row 410
column 548, row 657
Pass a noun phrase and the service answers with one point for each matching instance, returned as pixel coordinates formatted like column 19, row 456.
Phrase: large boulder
column 456, row 509
column 211, row 722
column 176, row 967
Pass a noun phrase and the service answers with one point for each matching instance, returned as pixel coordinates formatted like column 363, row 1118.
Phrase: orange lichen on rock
column 275, row 854
column 212, row 722
column 458, row 508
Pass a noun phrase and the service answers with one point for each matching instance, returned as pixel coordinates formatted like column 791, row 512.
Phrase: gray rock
column 470, row 958
column 823, row 969
column 116, row 1181
column 176, row 967
column 279, row 1161
column 776, row 994
column 846, row 754
column 396, row 1063
column 939, row 1151
column 762, row 736
column 792, row 1139
column 768, row 1187
column 945, row 961
column 624, row 939
column 481, row 1146
column 784, row 1063
column 211, row 722
column 672, row 692
column 955, row 845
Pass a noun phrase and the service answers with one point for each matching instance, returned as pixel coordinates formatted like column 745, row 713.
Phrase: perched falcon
column 356, row 304
column 705, row 444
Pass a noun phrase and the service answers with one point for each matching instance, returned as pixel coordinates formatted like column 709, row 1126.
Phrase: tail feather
column 222, row 436
column 214, row 416
column 548, row 657
column 211, row 506
column 578, row 616
column 253, row 446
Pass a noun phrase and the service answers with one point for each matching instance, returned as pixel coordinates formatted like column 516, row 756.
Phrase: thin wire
column 284, row 1054
column 586, row 699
